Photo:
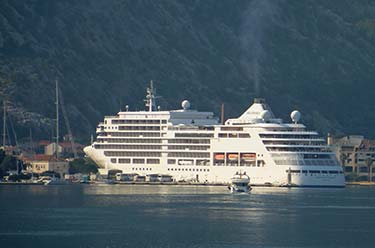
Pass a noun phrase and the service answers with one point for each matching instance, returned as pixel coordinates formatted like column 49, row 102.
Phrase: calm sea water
column 185, row 216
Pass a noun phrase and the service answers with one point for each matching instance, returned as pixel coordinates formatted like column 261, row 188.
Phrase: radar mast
column 151, row 97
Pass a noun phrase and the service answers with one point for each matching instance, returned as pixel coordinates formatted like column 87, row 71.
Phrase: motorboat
column 47, row 180
column 240, row 183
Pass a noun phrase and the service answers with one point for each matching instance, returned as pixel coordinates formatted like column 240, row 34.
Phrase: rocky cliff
column 317, row 56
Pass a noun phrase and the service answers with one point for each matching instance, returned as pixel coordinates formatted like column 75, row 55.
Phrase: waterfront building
column 40, row 163
column 51, row 149
column 64, row 148
column 357, row 156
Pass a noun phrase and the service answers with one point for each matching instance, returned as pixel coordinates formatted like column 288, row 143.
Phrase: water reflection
column 184, row 216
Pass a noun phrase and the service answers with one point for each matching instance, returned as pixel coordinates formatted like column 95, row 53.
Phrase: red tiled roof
column 44, row 143
column 69, row 145
column 65, row 144
column 62, row 144
column 40, row 157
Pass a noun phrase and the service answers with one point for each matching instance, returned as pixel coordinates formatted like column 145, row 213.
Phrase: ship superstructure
column 192, row 146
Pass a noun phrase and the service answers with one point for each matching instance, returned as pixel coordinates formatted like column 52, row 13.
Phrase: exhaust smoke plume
column 256, row 18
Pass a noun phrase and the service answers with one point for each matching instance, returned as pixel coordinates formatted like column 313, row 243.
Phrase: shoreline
column 366, row 184
column 360, row 184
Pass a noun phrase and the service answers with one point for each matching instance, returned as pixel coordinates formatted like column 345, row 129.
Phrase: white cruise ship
column 193, row 146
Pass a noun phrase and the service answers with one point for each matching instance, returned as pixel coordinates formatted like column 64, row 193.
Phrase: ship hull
column 210, row 174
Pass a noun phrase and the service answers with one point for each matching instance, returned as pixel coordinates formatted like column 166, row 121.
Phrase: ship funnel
column 259, row 100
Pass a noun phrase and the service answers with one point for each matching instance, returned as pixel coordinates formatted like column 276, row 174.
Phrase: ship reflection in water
column 184, row 216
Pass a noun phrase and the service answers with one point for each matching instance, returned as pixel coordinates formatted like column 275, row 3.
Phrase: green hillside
column 316, row 56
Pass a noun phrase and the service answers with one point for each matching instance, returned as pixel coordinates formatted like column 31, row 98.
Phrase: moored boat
column 191, row 145
column 240, row 183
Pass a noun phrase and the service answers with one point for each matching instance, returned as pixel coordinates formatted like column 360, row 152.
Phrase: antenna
column 150, row 97
column 57, row 120
column 222, row 114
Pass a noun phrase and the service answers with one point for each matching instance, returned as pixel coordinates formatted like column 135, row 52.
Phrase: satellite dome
column 185, row 104
column 295, row 116
column 265, row 115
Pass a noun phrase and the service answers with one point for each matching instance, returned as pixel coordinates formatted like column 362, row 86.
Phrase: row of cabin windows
column 234, row 135
column 135, row 161
column 156, row 154
column 314, row 172
column 258, row 163
column 117, row 140
column 131, row 154
column 144, row 169
column 188, row 155
column 311, row 143
column 199, row 162
column 298, row 149
column 185, row 147
column 189, row 141
column 188, row 169
column 305, row 156
column 288, row 136
column 316, row 162
column 231, row 128
column 132, row 134
column 194, row 135
column 147, row 141
column 129, row 147
column 189, row 127
column 111, row 127
column 151, row 147
column 135, row 128
column 139, row 121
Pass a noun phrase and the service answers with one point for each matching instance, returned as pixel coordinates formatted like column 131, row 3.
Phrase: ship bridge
column 258, row 112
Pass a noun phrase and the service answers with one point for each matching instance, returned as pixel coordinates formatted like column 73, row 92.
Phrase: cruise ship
column 193, row 146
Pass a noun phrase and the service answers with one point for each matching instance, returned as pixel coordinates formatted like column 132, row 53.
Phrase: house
column 357, row 156
column 40, row 163
column 50, row 149
column 64, row 148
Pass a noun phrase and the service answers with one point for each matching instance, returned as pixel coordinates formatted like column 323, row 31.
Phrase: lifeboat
column 219, row 156
column 248, row 156
column 232, row 156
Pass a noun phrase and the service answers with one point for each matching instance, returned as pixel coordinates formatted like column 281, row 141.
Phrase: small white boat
column 240, row 183
column 47, row 180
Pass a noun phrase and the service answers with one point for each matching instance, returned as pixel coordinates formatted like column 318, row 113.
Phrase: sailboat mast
column 57, row 119
column 4, row 124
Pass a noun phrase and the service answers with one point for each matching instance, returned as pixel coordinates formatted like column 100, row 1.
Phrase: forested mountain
column 316, row 56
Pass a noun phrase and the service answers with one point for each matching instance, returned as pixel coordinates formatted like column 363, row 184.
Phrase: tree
column 82, row 165
column 352, row 177
column 343, row 158
column 9, row 163
column 17, row 178
column 2, row 155
column 369, row 162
